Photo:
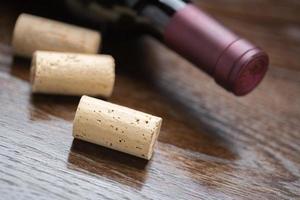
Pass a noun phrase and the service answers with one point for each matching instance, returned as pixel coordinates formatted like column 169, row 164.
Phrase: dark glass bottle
column 235, row 63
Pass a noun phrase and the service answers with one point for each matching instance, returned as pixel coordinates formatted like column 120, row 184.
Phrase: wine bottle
column 235, row 63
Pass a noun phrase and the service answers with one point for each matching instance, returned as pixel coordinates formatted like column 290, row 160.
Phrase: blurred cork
column 33, row 33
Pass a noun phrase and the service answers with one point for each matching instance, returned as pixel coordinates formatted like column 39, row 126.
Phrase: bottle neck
column 159, row 12
column 169, row 7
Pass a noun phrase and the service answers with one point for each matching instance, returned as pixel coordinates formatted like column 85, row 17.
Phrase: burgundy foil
column 235, row 63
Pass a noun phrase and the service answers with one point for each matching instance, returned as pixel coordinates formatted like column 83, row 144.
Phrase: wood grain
column 212, row 145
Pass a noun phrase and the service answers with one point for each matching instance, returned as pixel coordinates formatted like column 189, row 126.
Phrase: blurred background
column 212, row 145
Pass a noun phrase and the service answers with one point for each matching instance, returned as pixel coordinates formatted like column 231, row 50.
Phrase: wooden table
column 213, row 145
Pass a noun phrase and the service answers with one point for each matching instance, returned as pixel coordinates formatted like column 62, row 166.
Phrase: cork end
column 16, row 36
column 93, row 43
column 112, row 76
column 33, row 72
column 76, row 117
column 98, row 43
column 154, row 138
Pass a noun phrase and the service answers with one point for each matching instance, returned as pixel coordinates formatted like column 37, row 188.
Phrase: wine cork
column 116, row 127
column 34, row 33
column 72, row 74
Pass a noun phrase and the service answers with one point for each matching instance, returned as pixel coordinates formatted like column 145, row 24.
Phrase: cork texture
column 72, row 74
column 116, row 127
column 32, row 33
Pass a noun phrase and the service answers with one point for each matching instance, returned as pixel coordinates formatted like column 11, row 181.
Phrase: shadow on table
column 20, row 68
column 6, row 57
column 43, row 106
column 96, row 160
column 174, row 93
